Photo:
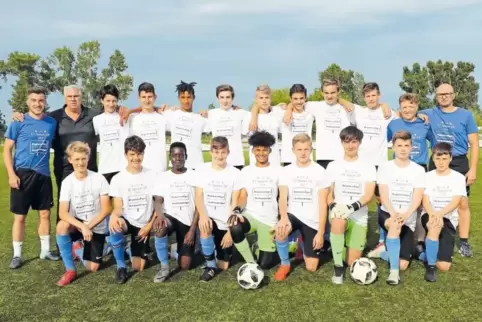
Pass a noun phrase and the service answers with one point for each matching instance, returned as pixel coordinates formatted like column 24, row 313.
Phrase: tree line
column 66, row 66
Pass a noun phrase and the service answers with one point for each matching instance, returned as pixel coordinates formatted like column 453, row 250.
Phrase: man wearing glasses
column 456, row 125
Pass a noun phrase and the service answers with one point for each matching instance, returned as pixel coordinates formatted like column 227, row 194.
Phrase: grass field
column 30, row 293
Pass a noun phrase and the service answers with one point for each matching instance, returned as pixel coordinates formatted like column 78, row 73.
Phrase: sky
column 248, row 43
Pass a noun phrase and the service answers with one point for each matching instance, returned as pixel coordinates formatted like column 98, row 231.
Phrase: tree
column 3, row 125
column 351, row 82
column 280, row 96
column 317, row 95
column 211, row 106
column 18, row 101
column 416, row 81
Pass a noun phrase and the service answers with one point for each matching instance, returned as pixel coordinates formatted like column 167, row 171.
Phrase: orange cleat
column 67, row 278
column 282, row 272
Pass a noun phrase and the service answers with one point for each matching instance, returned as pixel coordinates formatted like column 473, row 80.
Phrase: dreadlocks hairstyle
column 186, row 87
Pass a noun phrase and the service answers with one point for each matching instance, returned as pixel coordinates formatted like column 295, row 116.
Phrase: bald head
column 445, row 95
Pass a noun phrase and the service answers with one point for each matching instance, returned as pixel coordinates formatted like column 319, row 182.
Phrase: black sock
column 464, row 240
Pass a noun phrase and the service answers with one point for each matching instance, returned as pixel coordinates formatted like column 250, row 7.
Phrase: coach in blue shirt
column 29, row 173
column 456, row 126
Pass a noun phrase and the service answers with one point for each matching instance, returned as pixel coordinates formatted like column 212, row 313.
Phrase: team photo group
column 299, row 194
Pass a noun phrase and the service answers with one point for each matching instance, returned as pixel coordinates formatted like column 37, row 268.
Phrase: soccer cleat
column 393, row 277
column 282, row 272
column 465, row 249
column 15, row 263
column 431, row 273
column 49, row 256
column 208, row 274
column 121, row 275
column 375, row 253
column 338, row 274
column 68, row 277
column 162, row 274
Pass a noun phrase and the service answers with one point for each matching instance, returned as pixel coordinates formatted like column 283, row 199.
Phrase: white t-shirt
column 218, row 187
column 111, row 142
column 441, row 190
column 188, row 128
column 178, row 193
column 304, row 185
column 301, row 123
column 84, row 197
column 350, row 179
column 261, row 185
column 229, row 123
column 271, row 123
column 136, row 193
column 401, row 183
column 372, row 123
column 151, row 127
column 330, row 120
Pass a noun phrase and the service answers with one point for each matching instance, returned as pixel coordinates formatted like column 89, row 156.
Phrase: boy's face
column 298, row 100
column 263, row 100
column 261, row 153
column 408, row 110
column 351, row 147
column 110, row 103
column 402, row 149
column 36, row 103
column 330, row 94
column 219, row 156
column 186, row 100
column 134, row 159
column 302, row 151
column 79, row 161
column 442, row 161
column 178, row 158
column 225, row 99
column 147, row 99
column 372, row 98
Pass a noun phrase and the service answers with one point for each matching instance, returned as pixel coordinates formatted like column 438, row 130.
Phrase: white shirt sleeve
column 65, row 190
column 159, row 188
column 96, row 126
column 420, row 178
column 371, row 175
column 245, row 126
column 382, row 174
column 244, row 179
column 115, row 187
column 459, row 188
column 238, row 185
column 104, row 186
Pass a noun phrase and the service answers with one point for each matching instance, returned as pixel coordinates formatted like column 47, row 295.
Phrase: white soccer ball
column 250, row 276
column 363, row 271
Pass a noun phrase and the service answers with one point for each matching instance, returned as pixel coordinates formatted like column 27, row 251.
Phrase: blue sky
column 247, row 43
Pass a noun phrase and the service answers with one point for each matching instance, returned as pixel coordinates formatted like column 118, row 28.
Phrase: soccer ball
column 250, row 276
column 363, row 271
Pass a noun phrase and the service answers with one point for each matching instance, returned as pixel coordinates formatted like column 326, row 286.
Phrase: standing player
column 302, row 206
column 401, row 183
column 445, row 189
column 259, row 200
column 29, row 173
column 217, row 191
column 84, row 206
column 352, row 187
column 176, row 211
column 133, row 212
column 151, row 128
column 456, row 126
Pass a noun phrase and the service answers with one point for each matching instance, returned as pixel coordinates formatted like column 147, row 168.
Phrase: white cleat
column 375, row 253
column 393, row 277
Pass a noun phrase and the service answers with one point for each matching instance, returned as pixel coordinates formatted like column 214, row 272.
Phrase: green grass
column 30, row 293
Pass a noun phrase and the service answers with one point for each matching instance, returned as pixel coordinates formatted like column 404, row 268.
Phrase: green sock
column 243, row 249
column 337, row 245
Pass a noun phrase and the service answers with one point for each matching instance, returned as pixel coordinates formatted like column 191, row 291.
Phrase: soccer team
column 283, row 192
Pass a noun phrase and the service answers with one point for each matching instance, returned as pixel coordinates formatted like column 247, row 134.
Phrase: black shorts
column 377, row 191
column 239, row 167
column 407, row 243
column 175, row 226
column 459, row 163
column 221, row 254
column 285, row 164
column 138, row 249
column 35, row 191
column 446, row 239
column 324, row 163
column 109, row 176
column 94, row 249
column 307, row 234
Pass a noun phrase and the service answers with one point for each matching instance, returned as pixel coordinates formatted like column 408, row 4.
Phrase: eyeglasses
column 444, row 94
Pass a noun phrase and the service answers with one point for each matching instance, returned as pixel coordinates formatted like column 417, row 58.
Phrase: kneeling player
column 444, row 190
column 258, row 196
column 217, row 192
column 401, row 183
column 84, row 205
column 302, row 205
column 133, row 212
column 175, row 210
column 352, row 188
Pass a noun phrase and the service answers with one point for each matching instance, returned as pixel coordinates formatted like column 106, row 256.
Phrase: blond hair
column 265, row 89
column 301, row 138
column 409, row 97
column 330, row 81
column 77, row 147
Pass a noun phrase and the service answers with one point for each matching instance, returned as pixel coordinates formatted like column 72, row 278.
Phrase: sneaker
column 431, row 273
column 338, row 274
column 49, row 256
column 162, row 274
column 121, row 275
column 282, row 272
column 393, row 277
column 15, row 263
column 376, row 252
column 465, row 249
column 68, row 277
column 208, row 274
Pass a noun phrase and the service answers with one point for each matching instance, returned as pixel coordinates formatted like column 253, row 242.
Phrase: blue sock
column 117, row 242
column 384, row 256
column 393, row 248
column 382, row 237
column 207, row 245
column 65, row 247
column 422, row 256
column 294, row 236
column 79, row 252
column 161, row 249
column 431, row 249
column 283, row 252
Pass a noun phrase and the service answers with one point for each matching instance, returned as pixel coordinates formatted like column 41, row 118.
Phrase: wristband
column 356, row 205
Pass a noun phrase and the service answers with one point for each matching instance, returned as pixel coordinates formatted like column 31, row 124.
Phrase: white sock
column 17, row 248
column 44, row 244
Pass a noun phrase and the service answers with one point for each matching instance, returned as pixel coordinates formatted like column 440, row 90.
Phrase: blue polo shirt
column 420, row 135
column 33, row 139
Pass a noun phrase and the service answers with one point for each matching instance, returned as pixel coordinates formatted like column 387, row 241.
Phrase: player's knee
column 20, row 219
column 311, row 267
column 93, row 267
column 464, row 205
column 281, row 237
column 237, row 233
column 63, row 227
column 338, row 226
column 205, row 233
column 404, row 265
column 44, row 214
column 161, row 233
column 443, row 266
